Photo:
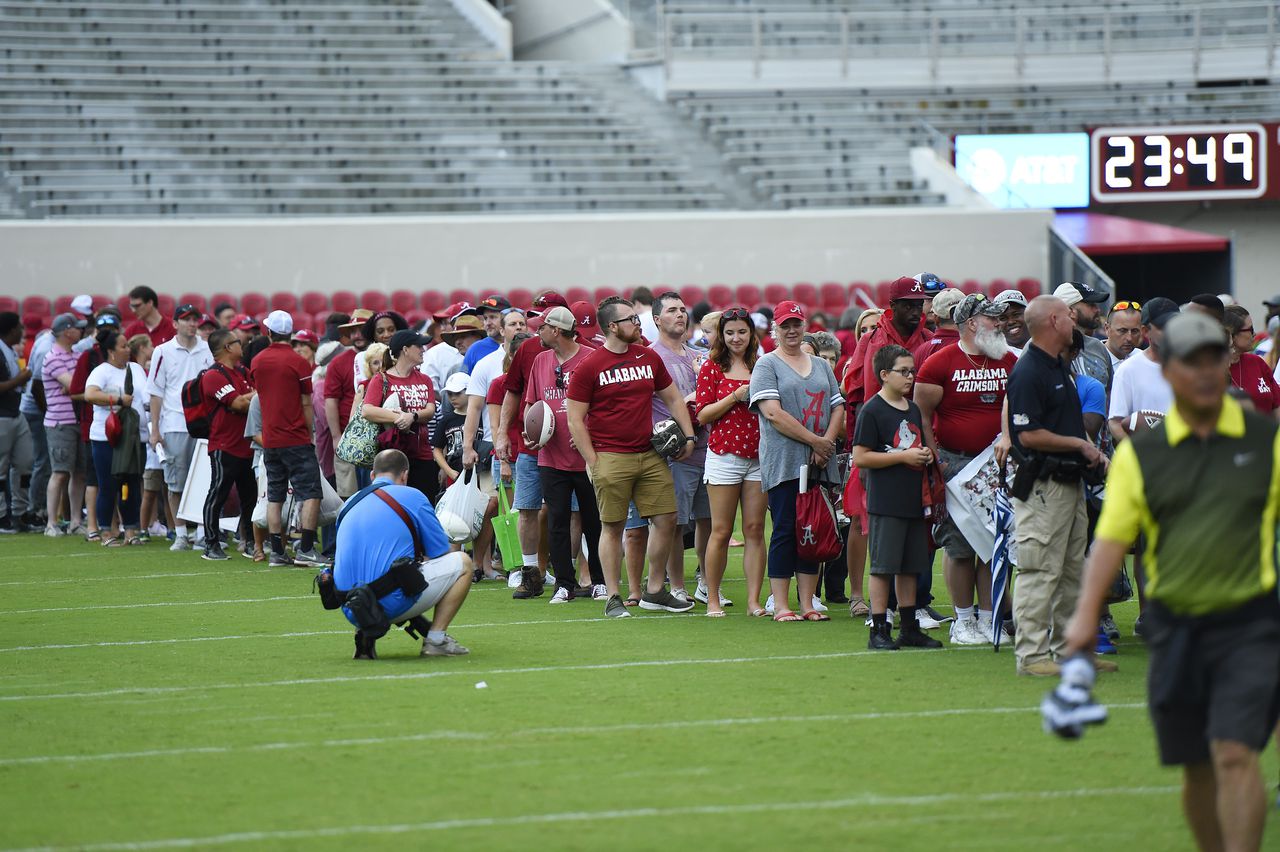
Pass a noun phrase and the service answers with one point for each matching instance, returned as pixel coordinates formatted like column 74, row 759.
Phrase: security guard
column 1204, row 487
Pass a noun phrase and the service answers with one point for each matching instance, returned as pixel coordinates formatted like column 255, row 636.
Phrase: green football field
column 154, row 700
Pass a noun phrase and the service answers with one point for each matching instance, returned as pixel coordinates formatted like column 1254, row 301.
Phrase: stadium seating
column 216, row 299
column 10, row 304
column 314, row 302
column 345, row 301
column 196, row 299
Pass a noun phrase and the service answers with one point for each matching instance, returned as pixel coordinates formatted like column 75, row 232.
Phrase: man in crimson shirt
column 902, row 324
column 283, row 379
column 960, row 392
column 339, row 393
column 945, row 332
column 144, row 303
column 561, row 468
column 227, row 392
column 610, row 403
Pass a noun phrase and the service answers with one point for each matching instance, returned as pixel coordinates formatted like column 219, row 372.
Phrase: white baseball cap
column 83, row 305
column 456, row 383
column 279, row 322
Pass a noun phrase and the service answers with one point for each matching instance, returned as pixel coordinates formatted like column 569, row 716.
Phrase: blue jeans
column 40, row 468
column 109, row 487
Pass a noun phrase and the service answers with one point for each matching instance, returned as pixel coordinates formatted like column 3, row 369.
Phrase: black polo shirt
column 1042, row 395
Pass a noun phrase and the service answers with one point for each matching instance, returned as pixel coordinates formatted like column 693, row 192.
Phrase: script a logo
column 807, row 537
column 1153, row 420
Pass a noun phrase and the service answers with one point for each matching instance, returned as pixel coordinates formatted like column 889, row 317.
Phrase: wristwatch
column 691, row 438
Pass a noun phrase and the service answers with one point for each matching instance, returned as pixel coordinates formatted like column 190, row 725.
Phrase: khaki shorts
column 620, row 478
column 153, row 480
column 344, row 474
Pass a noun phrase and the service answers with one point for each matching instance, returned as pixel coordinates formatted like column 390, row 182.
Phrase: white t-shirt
column 110, row 380
column 483, row 373
column 440, row 362
column 1139, row 386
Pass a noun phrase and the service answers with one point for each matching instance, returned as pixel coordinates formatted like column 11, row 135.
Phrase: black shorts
column 898, row 545
column 1221, row 682
column 296, row 466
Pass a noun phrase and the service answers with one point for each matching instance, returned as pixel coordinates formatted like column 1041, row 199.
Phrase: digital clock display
column 1182, row 163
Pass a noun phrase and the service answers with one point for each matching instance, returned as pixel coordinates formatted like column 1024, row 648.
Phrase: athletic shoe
column 881, row 640
column 180, row 543
column 514, row 579
column 448, row 648
column 984, row 628
column 888, row 619
column 1105, row 645
column 53, row 532
column 700, row 595
column 1108, row 625
column 214, row 553
column 31, row 522
column 599, row 592
column 549, row 578
column 925, row 622
column 966, row 632
column 681, row 595
column 1041, row 668
column 1137, row 626
column 279, row 560
column 663, row 600
column 7, row 527
column 310, row 558
column 562, row 595
column 246, row 549
column 939, row 617
column 917, row 639
column 615, row 608
column 819, row 605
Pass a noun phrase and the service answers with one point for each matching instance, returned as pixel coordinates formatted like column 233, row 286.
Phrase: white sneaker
column 984, row 627
column 925, row 622
column 53, row 532
column 967, row 632
column 819, row 605
column 680, row 595
column 599, row 592
column 768, row 605
column 549, row 579
column 180, row 543
column 514, row 579
column 561, row 596
column 700, row 595
column 157, row 530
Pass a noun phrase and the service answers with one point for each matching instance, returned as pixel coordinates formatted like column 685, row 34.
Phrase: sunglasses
column 935, row 286
column 560, row 377
column 1125, row 306
column 512, row 311
column 1249, row 331
column 634, row 318
column 735, row 314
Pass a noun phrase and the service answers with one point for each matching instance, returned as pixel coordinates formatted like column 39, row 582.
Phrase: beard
column 991, row 343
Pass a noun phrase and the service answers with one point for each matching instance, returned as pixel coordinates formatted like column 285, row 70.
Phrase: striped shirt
column 58, row 408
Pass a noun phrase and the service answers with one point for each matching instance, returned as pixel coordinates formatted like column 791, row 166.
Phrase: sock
column 308, row 540
column 180, row 534
column 529, row 560
column 907, row 618
column 878, row 621
column 436, row 637
column 984, row 615
column 964, row 613
column 277, row 543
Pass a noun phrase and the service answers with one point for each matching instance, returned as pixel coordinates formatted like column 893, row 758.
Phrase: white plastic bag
column 462, row 507
column 291, row 510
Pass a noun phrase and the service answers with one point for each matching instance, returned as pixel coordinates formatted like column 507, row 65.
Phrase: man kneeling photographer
column 393, row 564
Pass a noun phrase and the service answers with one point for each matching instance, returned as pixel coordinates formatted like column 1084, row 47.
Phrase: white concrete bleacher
column 227, row 107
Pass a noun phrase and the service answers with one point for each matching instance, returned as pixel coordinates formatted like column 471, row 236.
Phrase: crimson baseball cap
column 243, row 321
column 585, row 314
column 453, row 311
column 904, row 288
column 307, row 336
column 205, row 319
column 187, row 310
column 787, row 311
column 549, row 299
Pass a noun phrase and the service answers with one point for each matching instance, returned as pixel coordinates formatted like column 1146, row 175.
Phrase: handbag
column 359, row 442
column 114, row 427
column 817, row 533
column 506, row 530
column 462, row 507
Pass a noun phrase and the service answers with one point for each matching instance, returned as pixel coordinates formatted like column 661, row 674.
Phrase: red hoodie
column 860, row 379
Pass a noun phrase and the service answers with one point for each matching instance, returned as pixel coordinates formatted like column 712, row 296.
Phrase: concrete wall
column 238, row 256
column 488, row 22
column 570, row 30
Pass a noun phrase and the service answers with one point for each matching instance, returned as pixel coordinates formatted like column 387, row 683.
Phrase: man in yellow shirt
column 1204, row 487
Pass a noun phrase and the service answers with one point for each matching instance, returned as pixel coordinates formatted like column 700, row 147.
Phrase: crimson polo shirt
column 283, row 378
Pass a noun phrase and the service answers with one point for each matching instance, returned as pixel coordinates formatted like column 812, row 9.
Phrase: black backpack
column 198, row 410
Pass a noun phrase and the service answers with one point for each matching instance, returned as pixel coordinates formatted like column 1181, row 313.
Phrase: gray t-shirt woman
column 810, row 399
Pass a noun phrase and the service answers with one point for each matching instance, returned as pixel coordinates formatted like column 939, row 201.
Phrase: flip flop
column 758, row 613
column 113, row 542
column 786, row 615
column 631, row 602
column 814, row 615
column 93, row 535
column 719, row 614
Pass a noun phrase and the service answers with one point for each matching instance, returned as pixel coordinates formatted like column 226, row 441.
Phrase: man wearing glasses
column 143, row 302
column 561, row 468
column 230, row 453
column 610, row 401
column 1124, row 331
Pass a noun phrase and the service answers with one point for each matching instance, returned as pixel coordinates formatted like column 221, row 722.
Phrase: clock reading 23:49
column 1187, row 163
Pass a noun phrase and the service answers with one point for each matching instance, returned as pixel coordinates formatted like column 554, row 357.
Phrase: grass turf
column 155, row 700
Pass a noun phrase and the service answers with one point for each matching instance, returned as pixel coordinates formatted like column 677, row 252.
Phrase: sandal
column 717, row 614
column 858, row 607
column 136, row 540
column 786, row 615
column 93, row 535
column 759, row 612
column 631, row 602
column 113, row 542
column 814, row 615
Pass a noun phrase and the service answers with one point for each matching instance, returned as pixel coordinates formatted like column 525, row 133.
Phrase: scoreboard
column 1182, row 162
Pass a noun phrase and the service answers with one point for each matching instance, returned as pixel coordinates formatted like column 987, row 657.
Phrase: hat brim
column 914, row 297
column 1094, row 298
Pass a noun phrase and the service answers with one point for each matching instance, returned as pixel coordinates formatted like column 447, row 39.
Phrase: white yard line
column 575, row 730
column 859, row 801
column 90, row 607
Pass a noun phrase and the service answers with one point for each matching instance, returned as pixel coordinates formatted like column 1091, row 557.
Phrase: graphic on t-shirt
column 906, row 438
column 813, row 410
column 626, row 374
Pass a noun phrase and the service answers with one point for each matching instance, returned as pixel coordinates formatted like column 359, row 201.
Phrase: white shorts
column 728, row 469
column 440, row 573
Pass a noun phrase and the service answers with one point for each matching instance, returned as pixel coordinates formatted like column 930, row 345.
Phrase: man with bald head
column 1054, row 457
column 1124, row 331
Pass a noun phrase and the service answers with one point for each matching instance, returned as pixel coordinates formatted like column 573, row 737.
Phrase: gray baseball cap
column 1186, row 334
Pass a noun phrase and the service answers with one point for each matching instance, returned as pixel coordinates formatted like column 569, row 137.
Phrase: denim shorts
column 528, row 483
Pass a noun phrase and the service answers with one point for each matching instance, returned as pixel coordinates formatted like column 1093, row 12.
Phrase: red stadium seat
column 36, row 323
column 1029, row 287
column 283, row 300
column 969, row 286
column 61, row 305
column 254, row 304
column 749, row 296
column 602, row 293
column 417, row 315
column 833, row 294
column 403, row 301
column 216, row 299
column 459, row 295
column 319, row 322
column 692, row 294
column 806, row 294
column 9, row 304
column 720, row 296
column 374, row 300
column 125, row 311
column 345, row 301
column 37, row 305
column 166, row 304
column 862, row 295
column 882, row 293
column 314, row 302
column 101, row 301
column 302, row 320
column 775, row 293
column 577, row 294
column 521, row 298
column 194, row 299
column 433, row 300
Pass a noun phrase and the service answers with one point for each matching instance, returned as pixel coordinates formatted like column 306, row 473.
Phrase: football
column 1145, row 419
column 539, row 424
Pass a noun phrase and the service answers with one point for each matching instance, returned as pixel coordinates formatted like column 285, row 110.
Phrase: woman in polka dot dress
column 733, row 456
